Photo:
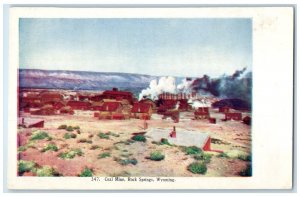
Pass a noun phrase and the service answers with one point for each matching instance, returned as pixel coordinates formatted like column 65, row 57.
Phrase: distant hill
column 82, row 80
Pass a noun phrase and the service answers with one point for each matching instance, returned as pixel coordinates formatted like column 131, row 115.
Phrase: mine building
column 151, row 102
column 224, row 109
column 30, row 102
column 117, row 95
column 111, row 110
column 79, row 105
column 66, row 110
column 82, row 97
column 141, row 111
column 52, row 97
column 58, row 105
column 184, row 105
column 45, row 110
column 233, row 116
column 202, row 113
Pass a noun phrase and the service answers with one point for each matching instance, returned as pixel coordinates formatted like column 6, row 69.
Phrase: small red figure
column 173, row 133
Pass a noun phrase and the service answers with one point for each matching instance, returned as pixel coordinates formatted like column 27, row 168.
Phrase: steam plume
column 164, row 84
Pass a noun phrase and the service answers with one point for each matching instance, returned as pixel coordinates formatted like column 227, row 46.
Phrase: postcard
column 150, row 98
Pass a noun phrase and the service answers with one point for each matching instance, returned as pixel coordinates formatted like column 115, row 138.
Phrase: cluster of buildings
column 110, row 104
column 115, row 104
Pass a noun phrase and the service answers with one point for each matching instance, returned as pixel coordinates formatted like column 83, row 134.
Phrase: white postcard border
column 272, row 80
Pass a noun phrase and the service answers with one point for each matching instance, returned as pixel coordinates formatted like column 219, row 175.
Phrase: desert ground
column 114, row 153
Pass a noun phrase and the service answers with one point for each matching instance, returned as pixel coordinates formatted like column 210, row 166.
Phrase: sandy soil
column 228, row 136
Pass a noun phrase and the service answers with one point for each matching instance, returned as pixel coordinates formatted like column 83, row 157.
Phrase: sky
column 162, row 47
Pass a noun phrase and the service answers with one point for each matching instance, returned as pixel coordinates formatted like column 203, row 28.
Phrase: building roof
column 141, row 108
column 112, row 92
column 183, row 137
column 146, row 100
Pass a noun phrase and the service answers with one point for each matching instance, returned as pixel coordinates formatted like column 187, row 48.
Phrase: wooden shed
column 233, row 116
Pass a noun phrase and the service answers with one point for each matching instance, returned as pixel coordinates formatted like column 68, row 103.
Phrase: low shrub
column 63, row 126
column 70, row 135
column 85, row 141
column 165, row 141
column 78, row 151
column 51, row 147
column 86, row 173
column 223, row 155
column 46, row 171
column 73, row 135
column 203, row 156
column 25, row 166
column 112, row 134
column 197, row 168
column 30, row 144
column 192, row 150
column 245, row 157
column 76, row 127
column 126, row 154
column 129, row 161
column 22, row 148
column 103, row 155
column 103, row 135
column 139, row 138
column 91, row 135
column 69, row 128
column 94, row 147
column 155, row 142
column 156, row 156
column 40, row 135
column 67, row 135
column 124, row 162
column 247, row 171
column 128, row 142
column 71, row 154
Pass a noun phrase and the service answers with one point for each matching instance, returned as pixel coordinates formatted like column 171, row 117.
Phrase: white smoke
column 185, row 86
column 164, row 84
column 199, row 103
